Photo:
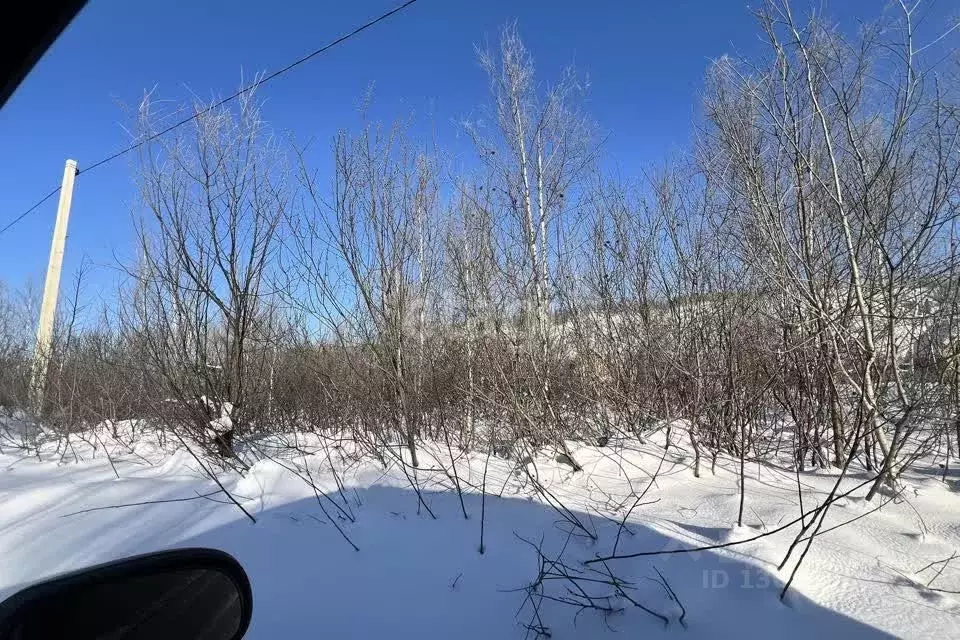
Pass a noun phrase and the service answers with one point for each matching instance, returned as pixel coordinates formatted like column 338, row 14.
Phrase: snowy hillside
column 418, row 575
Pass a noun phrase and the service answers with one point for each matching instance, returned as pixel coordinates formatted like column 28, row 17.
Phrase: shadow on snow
column 415, row 577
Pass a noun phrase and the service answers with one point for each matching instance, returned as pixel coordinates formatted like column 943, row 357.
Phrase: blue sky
column 645, row 61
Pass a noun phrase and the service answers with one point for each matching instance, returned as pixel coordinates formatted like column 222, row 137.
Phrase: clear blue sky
column 645, row 60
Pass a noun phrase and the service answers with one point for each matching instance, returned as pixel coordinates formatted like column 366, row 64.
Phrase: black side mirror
column 183, row 593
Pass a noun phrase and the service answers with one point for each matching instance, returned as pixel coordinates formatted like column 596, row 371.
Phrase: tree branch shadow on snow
column 305, row 580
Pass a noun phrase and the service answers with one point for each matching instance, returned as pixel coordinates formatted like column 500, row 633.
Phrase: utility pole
column 51, row 289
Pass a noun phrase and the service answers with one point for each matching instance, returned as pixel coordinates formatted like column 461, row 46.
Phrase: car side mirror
column 183, row 593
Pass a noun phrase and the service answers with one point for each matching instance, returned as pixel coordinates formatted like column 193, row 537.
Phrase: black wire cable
column 31, row 209
column 217, row 104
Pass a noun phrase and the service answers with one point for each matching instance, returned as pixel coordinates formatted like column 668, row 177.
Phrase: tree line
column 787, row 286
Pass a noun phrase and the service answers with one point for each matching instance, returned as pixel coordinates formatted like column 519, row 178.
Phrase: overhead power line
column 30, row 210
column 219, row 103
column 257, row 83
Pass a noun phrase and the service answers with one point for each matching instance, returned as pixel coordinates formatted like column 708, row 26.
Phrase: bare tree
column 367, row 260
column 212, row 200
column 535, row 151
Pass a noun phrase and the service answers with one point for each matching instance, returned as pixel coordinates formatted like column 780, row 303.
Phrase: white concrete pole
column 51, row 288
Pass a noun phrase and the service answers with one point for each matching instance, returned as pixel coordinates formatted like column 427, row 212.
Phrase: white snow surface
column 416, row 576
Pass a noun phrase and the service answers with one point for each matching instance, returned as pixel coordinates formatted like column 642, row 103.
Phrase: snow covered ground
column 418, row 576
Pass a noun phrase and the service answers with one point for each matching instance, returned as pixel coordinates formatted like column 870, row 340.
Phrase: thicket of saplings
column 789, row 286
